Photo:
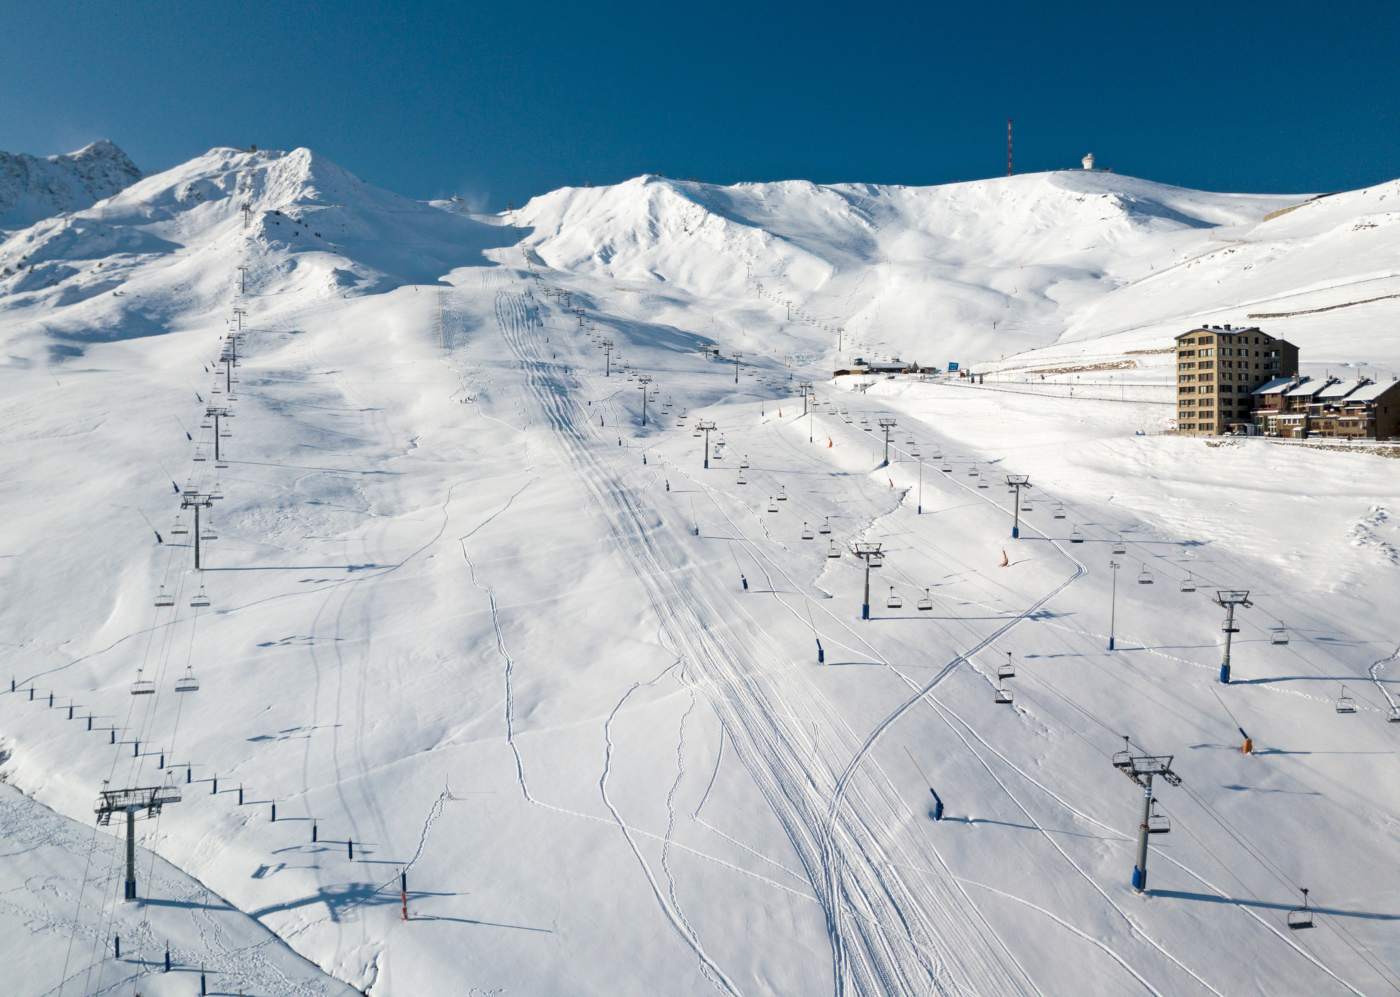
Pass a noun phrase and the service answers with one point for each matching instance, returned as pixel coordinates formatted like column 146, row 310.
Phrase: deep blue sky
column 503, row 100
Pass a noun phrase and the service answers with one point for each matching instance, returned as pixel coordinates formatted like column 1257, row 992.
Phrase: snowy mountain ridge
column 33, row 188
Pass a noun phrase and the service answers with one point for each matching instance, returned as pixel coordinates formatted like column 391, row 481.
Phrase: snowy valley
column 552, row 689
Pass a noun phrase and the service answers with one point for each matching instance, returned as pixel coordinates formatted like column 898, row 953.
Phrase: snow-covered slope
column 136, row 263
column 475, row 619
column 32, row 188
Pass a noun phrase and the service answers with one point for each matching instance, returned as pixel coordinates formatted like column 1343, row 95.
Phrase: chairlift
column 179, row 529
column 1345, row 704
column 832, row 550
column 200, row 599
column 199, row 457
column 914, row 451
column 206, row 532
column 909, row 442
column 1394, row 716
column 696, row 434
column 1059, row 512
column 744, row 464
column 825, row 528
column 847, row 418
column 741, row 480
column 216, row 492
column 1075, row 537
column 1123, row 759
column 142, row 687
column 1007, row 670
column 972, row 472
column 1119, row 547
column 1144, row 576
column 206, row 424
column 982, row 483
column 1188, row 584
column 772, row 505
column 1157, row 823
column 1025, row 505
column 807, row 533
column 164, row 599
column 187, row 682
column 894, row 601
column 1278, row 634
column 1301, row 917
column 946, row 468
column 1003, row 695
column 782, row 493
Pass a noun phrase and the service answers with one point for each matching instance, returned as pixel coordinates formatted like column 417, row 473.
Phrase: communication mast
column 1008, row 147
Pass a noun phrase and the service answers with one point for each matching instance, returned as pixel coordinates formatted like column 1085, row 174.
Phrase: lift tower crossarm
column 130, row 801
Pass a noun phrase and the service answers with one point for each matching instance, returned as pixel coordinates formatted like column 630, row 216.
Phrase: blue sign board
column 952, row 366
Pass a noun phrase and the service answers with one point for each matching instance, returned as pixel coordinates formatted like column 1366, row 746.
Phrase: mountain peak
column 34, row 188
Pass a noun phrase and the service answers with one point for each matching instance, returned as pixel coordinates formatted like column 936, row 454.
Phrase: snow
column 32, row 189
column 462, row 620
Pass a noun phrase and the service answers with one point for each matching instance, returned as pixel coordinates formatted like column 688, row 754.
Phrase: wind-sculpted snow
column 32, row 189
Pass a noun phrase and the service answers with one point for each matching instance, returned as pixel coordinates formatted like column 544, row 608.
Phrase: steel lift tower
column 130, row 802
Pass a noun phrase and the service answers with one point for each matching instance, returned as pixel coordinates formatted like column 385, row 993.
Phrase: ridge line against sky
column 498, row 104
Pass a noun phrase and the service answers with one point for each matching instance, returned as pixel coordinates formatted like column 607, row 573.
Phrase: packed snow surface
column 479, row 628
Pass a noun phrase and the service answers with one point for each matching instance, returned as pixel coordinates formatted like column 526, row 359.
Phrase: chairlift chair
column 925, row 603
column 164, row 599
column 199, row 457
column 772, row 505
column 1394, row 716
column 1075, row 537
column 1278, row 634
column 1345, row 704
column 1119, row 547
column 142, row 687
column 982, row 483
column 187, row 682
column 741, row 480
column 1007, row 670
column 972, row 472
column 1301, row 917
column 1026, row 505
column 832, row 550
column 807, row 533
column 1059, row 512
column 782, row 493
column 894, row 601
column 1123, row 759
column 825, row 528
column 696, row 434
column 744, row 464
column 1157, row 823
column 216, row 492
column 1003, row 695
column 1188, row 584
column 847, row 418
column 179, row 529
column 946, row 468
column 1144, row 576
column 200, row 600
column 914, row 451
